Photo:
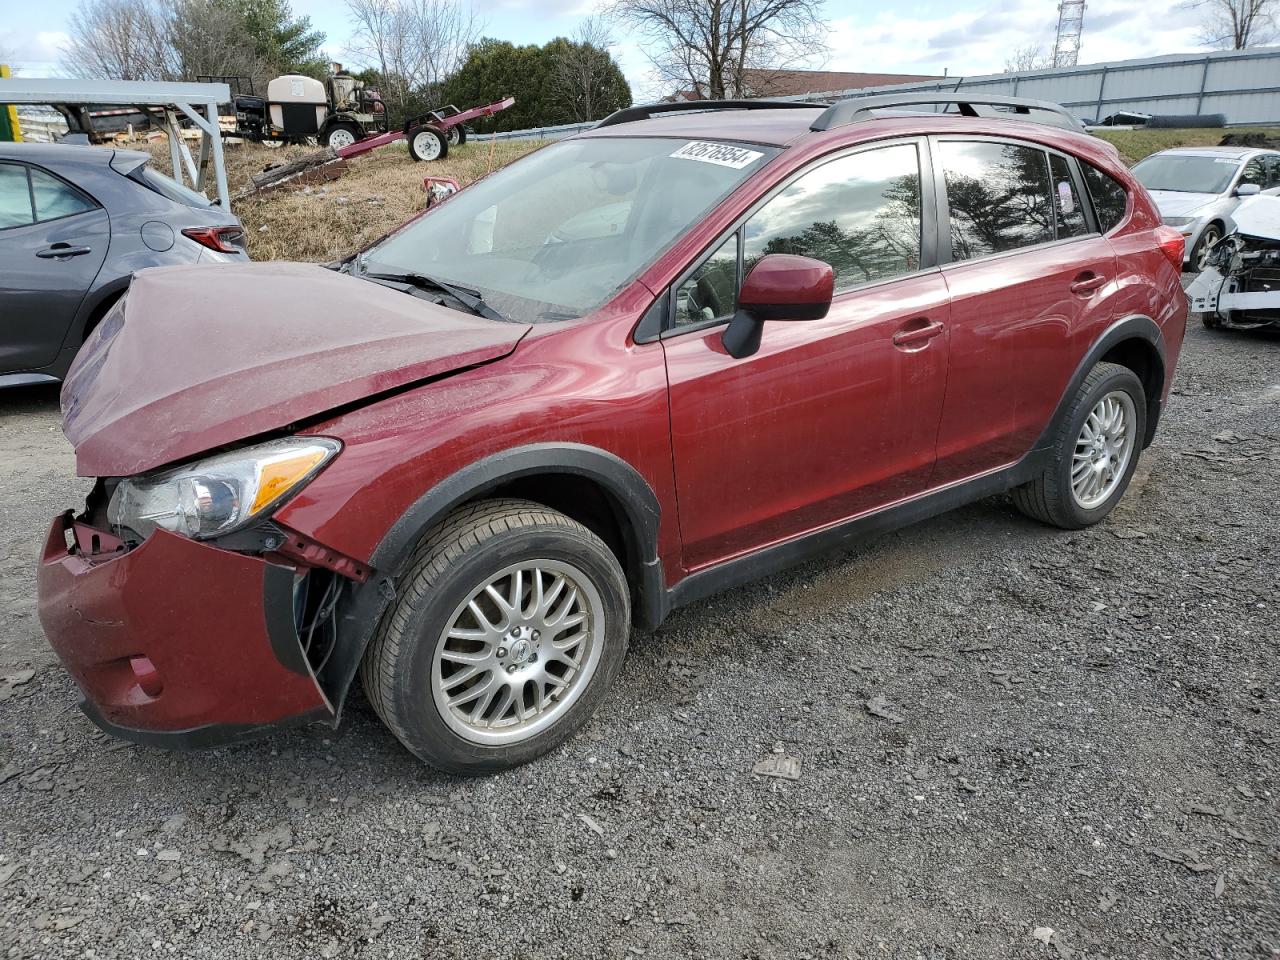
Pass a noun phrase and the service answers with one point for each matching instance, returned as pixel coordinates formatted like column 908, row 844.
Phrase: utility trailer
column 431, row 135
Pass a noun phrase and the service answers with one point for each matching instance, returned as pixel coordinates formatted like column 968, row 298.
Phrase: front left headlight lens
column 212, row 497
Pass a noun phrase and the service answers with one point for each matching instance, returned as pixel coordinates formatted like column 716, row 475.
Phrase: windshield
column 1186, row 174
column 556, row 234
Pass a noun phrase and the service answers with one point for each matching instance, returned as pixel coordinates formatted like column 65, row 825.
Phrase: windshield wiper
column 471, row 299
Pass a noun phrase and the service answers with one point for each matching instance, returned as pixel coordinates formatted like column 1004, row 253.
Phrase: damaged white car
column 1239, row 287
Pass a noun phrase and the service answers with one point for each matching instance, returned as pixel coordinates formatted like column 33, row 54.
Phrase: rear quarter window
column 1110, row 201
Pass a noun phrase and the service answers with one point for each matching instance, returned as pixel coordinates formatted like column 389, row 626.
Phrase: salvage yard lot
column 1002, row 730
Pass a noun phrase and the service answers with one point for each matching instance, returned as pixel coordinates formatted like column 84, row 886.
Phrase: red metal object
column 904, row 387
column 317, row 359
column 150, row 653
column 786, row 287
column 442, row 123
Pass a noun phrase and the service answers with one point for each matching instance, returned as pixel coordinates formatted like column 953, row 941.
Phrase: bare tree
column 207, row 38
column 1236, row 24
column 584, row 77
column 725, row 48
column 412, row 44
column 1029, row 57
column 119, row 40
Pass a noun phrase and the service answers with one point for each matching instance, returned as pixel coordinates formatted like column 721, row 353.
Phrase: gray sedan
column 1196, row 188
column 75, row 223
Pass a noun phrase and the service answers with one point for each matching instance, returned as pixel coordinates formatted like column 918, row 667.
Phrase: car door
column 53, row 240
column 1028, row 277
column 829, row 418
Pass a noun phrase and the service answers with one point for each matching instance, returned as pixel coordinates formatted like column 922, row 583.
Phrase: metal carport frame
column 188, row 98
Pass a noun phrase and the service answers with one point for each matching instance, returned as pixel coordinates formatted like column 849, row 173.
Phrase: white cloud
column 972, row 42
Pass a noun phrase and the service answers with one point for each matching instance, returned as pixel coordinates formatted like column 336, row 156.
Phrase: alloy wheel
column 1205, row 246
column 518, row 652
column 1103, row 450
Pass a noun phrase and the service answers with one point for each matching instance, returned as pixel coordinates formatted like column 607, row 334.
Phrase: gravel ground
column 1012, row 742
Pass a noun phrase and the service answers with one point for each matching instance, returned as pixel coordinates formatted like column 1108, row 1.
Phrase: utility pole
column 1066, row 49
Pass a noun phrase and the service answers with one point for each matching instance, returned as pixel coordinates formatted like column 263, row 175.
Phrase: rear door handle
column 1085, row 284
column 917, row 332
column 60, row 250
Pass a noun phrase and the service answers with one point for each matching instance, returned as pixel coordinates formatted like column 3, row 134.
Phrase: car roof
column 55, row 153
column 1235, row 153
column 769, row 127
column 791, row 127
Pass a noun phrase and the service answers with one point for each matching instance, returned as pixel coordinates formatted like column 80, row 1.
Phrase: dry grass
column 1136, row 144
column 379, row 191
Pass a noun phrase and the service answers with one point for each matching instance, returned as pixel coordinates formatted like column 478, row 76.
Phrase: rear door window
column 998, row 195
column 15, row 197
column 55, row 199
column 1109, row 198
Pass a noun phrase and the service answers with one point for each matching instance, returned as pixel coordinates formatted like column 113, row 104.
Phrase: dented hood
column 200, row 357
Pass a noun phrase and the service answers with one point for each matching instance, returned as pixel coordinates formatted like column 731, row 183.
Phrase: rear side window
column 1067, row 206
column 168, row 188
column 999, row 197
column 15, row 197
column 1109, row 199
column 54, row 199
column 859, row 213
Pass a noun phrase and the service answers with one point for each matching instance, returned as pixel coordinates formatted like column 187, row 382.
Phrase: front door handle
column 60, row 251
column 1085, row 284
column 916, row 333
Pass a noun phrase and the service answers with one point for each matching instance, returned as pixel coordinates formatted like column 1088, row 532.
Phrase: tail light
column 221, row 239
column 1172, row 244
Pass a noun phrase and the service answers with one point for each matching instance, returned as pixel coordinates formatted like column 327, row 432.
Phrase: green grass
column 1136, row 144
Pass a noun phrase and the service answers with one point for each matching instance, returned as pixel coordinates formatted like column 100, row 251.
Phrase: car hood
column 199, row 357
column 1175, row 203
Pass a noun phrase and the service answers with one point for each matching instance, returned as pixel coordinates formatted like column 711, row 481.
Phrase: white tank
column 295, row 89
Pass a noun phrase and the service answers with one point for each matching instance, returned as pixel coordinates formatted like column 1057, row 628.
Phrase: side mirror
column 780, row 287
column 439, row 189
column 1248, row 190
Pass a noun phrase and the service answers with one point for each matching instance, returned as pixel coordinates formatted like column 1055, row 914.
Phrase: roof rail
column 1035, row 111
column 650, row 110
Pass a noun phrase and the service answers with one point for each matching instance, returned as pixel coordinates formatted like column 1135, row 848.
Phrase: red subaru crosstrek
column 657, row 360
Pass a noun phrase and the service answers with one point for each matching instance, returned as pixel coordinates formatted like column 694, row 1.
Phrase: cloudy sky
column 915, row 36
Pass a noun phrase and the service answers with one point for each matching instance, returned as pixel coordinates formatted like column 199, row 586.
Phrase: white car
column 1197, row 188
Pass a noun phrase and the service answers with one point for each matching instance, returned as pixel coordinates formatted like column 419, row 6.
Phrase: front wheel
column 511, row 624
column 341, row 135
column 1199, row 258
column 428, row 143
column 457, row 135
column 1094, row 453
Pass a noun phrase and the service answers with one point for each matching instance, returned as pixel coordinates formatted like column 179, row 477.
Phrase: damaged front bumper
column 175, row 642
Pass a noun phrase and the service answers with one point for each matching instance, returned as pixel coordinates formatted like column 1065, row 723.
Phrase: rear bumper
column 175, row 643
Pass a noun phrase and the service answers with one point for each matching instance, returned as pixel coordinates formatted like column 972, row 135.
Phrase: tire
column 408, row 668
column 344, row 134
column 1208, row 237
column 1211, row 321
column 428, row 143
column 457, row 136
column 1051, row 497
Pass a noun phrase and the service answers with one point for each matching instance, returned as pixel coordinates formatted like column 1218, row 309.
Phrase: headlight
column 212, row 497
column 1178, row 221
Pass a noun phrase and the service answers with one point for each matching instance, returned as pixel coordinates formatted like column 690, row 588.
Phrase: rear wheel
column 428, row 143
column 457, row 135
column 511, row 624
column 1094, row 453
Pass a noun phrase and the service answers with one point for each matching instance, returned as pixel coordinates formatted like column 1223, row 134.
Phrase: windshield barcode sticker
column 721, row 154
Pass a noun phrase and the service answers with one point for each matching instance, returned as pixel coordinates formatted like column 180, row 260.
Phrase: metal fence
column 1243, row 85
